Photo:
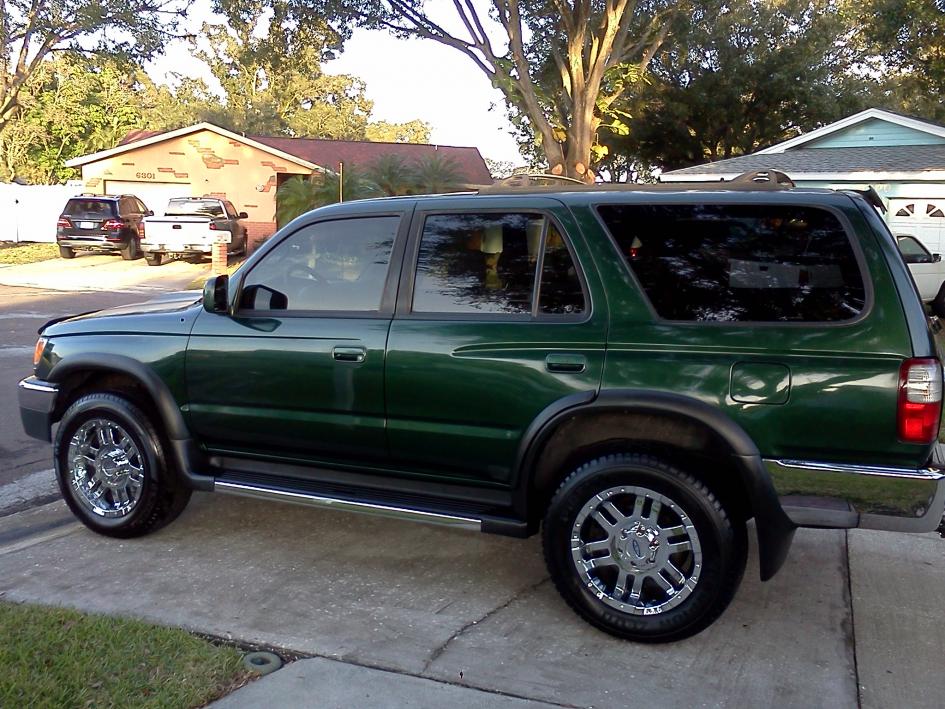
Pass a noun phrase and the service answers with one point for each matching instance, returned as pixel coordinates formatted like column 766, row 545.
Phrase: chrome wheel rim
column 636, row 550
column 106, row 469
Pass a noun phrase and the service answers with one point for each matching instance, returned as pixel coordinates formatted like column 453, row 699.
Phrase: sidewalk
column 445, row 611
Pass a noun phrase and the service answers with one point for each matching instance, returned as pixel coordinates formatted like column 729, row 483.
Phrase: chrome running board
column 312, row 500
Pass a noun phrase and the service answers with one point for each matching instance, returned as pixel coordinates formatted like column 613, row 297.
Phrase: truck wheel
column 66, row 252
column 642, row 549
column 154, row 259
column 112, row 469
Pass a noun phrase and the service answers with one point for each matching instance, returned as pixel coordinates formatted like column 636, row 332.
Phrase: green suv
column 636, row 372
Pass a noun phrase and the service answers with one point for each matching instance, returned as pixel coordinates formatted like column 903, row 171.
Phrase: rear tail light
column 113, row 224
column 213, row 226
column 63, row 223
column 920, row 400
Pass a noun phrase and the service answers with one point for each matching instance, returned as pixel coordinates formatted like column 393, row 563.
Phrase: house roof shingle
column 328, row 153
column 899, row 158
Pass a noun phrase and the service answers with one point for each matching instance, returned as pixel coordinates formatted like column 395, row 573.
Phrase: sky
column 406, row 79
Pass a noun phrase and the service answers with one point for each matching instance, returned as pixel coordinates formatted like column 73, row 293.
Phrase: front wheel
column 112, row 470
column 642, row 549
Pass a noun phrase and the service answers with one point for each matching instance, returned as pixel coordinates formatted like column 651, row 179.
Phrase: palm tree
column 437, row 174
column 392, row 175
column 298, row 195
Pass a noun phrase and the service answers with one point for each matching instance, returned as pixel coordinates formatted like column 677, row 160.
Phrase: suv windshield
column 90, row 208
column 194, row 208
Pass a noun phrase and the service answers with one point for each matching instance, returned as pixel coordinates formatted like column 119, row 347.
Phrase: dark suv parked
column 102, row 223
column 637, row 372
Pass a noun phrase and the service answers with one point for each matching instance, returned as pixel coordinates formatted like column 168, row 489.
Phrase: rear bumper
column 37, row 400
column 204, row 249
column 839, row 496
column 92, row 244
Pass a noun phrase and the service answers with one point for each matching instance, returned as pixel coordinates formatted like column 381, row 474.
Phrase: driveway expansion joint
column 439, row 650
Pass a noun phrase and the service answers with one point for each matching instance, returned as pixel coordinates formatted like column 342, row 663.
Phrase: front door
column 298, row 371
column 495, row 321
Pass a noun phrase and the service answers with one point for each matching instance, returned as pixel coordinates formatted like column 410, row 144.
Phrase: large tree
column 33, row 30
column 560, row 64
column 755, row 73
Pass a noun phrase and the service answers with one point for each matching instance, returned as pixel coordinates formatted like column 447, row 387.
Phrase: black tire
column 66, row 252
column 721, row 542
column 131, row 251
column 162, row 498
column 154, row 259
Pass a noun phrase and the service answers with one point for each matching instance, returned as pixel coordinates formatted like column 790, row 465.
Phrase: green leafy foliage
column 741, row 76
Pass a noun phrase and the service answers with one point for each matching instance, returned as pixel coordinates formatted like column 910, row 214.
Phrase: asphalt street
column 31, row 295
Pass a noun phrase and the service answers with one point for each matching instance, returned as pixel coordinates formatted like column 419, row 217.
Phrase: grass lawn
column 12, row 254
column 53, row 657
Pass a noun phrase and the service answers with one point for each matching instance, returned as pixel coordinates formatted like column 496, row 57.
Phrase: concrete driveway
column 852, row 620
column 102, row 273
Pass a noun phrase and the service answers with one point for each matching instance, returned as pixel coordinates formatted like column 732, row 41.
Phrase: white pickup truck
column 190, row 226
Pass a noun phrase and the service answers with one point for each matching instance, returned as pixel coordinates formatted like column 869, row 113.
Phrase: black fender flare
column 186, row 452
column 774, row 529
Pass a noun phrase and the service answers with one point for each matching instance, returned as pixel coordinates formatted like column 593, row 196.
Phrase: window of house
column 933, row 210
column 740, row 263
column 906, row 211
column 329, row 266
column 487, row 264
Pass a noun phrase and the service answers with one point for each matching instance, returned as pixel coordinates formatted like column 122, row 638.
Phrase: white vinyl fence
column 30, row 212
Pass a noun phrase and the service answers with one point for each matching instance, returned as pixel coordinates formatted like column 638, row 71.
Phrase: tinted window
column 561, row 291
column 911, row 247
column 477, row 263
column 90, row 208
column 338, row 265
column 730, row 263
column 230, row 210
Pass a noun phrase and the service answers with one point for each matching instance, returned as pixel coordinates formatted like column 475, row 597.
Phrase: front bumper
column 839, row 496
column 37, row 400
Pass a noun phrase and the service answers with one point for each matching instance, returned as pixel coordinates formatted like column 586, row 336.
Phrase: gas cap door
column 760, row 383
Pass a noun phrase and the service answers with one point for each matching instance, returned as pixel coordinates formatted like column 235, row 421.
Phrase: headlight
column 39, row 349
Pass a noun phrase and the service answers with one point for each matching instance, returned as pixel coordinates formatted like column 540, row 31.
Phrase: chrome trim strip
column 878, row 470
column 263, row 493
column 34, row 384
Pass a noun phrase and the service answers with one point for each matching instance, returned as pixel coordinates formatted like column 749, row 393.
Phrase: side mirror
column 243, row 215
column 936, row 258
column 215, row 292
column 149, row 213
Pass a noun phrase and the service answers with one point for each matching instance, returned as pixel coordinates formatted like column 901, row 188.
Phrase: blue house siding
column 875, row 133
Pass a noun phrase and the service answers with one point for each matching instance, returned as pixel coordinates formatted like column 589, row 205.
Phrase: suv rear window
column 90, row 208
column 740, row 263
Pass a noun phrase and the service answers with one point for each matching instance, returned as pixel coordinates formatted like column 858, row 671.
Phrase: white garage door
column 922, row 218
column 154, row 194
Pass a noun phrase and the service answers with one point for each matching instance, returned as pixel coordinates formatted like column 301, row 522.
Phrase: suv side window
column 230, row 210
column 337, row 265
column 486, row 263
column 740, row 263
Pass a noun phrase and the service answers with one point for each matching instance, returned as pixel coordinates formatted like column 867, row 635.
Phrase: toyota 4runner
column 635, row 372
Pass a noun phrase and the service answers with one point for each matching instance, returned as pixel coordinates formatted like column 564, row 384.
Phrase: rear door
column 496, row 320
column 298, row 371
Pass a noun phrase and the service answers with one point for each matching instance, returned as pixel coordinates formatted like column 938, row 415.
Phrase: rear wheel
column 154, row 259
column 131, row 251
column 112, row 469
column 66, row 252
column 642, row 549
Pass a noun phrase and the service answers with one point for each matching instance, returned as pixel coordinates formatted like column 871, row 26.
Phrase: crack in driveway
column 438, row 651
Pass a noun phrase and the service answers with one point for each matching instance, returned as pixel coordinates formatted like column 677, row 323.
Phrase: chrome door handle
column 349, row 354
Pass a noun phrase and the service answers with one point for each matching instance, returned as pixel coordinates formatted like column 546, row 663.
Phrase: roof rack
column 756, row 180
